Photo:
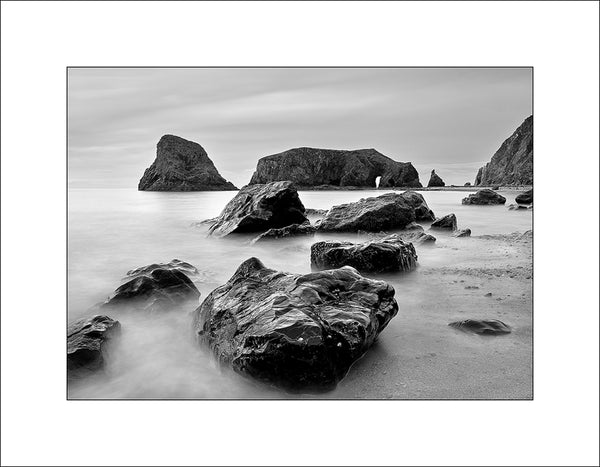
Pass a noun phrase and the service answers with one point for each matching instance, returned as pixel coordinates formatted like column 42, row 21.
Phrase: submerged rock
column 516, row 207
column 182, row 165
column 389, row 211
column 435, row 180
column 485, row 196
column 389, row 254
column 160, row 289
column 314, row 168
column 87, row 339
column 481, row 326
column 288, row 231
column 447, row 222
column 525, row 198
column 462, row 233
column 299, row 332
column 257, row 208
column 512, row 164
column 173, row 265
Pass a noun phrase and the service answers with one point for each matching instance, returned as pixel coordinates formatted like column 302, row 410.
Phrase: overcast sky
column 452, row 120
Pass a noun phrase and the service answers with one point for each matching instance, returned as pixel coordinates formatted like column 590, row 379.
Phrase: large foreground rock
column 173, row 265
column 481, row 326
column 257, row 208
column 182, row 165
column 512, row 164
column 389, row 211
column 390, row 254
column 312, row 167
column 160, row 289
column 485, row 196
column 87, row 339
column 299, row 332
column 435, row 180
column 525, row 198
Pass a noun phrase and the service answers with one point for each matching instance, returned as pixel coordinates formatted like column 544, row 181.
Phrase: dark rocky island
column 298, row 332
column 257, row 208
column 311, row 168
column 512, row 164
column 435, row 180
column 483, row 197
column 182, row 165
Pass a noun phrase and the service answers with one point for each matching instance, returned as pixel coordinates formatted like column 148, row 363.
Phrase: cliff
column 512, row 164
column 435, row 180
column 311, row 167
column 182, row 165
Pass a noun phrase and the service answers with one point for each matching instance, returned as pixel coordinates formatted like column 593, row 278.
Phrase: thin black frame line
column 251, row 399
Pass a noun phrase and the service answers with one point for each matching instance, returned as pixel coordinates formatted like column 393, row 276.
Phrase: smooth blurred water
column 111, row 231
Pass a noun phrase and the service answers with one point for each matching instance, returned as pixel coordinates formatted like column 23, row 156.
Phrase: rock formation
column 512, row 164
column 447, row 222
column 173, row 265
column 435, row 180
column 310, row 167
column 257, row 208
column 155, row 289
column 87, row 339
column 389, row 211
column 182, row 165
column 481, row 326
column 387, row 255
column 299, row 332
column 462, row 233
column 288, row 231
column 525, row 198
column 485, row 196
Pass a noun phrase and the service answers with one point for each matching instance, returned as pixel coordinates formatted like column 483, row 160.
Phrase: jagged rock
column 288, row 231
column 258, row 208
column 447, row 222
column 462, row 233
column 173, row 265
column 299, row 332
column 390, row 254
column 316, row 212
column 525, row 198
column 484, row 196
column 435, row 180
column 311, row 167
column 182, row 165
column 389, row 211
column 481, row 326
column 160, row 289
column 512, row 164
column 87, row 340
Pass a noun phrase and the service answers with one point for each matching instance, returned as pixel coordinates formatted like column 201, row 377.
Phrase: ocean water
column 111, row 231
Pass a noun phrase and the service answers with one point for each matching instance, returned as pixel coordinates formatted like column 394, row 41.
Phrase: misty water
column 111, row 231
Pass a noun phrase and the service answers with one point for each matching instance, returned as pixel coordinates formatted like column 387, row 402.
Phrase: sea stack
column 182, row 165
column 512, row 164
column 435, row 180
column 311, row 167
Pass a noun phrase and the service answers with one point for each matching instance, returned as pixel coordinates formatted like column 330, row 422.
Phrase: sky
column 448, row 119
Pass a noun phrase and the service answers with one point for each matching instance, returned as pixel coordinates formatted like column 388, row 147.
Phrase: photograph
column 300, row 233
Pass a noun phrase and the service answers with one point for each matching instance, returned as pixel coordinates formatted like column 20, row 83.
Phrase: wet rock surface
column 298, row 332
column 512, row 164
column 448, row 222
column 481, row 326
column 160, row 289
column 182, row 165
column 258, row 208
column 484, row 197
column 390, row 254
column 87, row 339
column 173, row 265
column 314, row 168
column 385, row 212
column 525, row 198
column 462, row 233
column 289, row 231
column 435, row 180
